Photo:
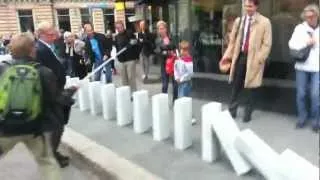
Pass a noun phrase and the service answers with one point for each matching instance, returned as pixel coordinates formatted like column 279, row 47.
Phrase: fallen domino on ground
column 161, row 117
column 95, row 98
column 124, row 106
column 141, row 112
column 227, row 131
column 209, row 142
column 108, row 96
column 260, row 155
column 182, row 123
column 298, row 168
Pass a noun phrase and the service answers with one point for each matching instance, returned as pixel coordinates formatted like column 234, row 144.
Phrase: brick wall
column 42, row 13
column 98, row 21
column 8, row 20
column 75, row 19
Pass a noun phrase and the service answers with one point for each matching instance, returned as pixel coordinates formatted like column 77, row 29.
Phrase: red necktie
column 246, row 44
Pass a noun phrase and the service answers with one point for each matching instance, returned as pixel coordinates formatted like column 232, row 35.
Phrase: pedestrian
column 306, row 35
column 183, row 71
column 35, row 129
column 164, row 44
column 98, row 49
column 127, row 59
column 46, row 55
column 147, row 40
column 110, row 39
column 249, row 47
column 74, row 55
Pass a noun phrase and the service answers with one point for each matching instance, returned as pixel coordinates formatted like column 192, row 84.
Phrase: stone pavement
column 163, row 160
column 19, row 165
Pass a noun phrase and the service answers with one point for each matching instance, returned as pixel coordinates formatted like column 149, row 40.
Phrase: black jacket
column 105, row 46
column 123, row 40
column 47, row 58
column 161, row 49
column 52, row 98
column 147, row 42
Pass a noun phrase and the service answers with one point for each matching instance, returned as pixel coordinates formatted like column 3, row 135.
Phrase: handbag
column 301, row 55
column 170, row 64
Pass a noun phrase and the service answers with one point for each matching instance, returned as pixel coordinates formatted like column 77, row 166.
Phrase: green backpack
column 20, row 94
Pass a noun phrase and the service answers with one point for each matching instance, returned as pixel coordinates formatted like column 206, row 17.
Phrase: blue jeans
column 308, row 85
column 184, row 89
column 106, row 71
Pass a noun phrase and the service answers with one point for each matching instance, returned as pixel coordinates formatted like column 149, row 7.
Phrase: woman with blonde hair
column 164, row 45
column 306, row 36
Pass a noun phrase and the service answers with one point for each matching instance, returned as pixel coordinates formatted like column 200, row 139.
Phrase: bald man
column 47, row 35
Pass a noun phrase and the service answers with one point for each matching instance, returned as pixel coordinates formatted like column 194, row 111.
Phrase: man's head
column 142, row 25
column 251, row 6
column 88, row 29
column 46, row 32
column 311, row 15
column 119, row 26
column 22, row 46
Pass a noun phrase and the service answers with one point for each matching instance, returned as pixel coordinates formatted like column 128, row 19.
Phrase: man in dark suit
column 98, row 49
column 47, row 57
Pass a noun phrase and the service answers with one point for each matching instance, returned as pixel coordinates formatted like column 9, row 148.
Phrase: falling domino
column 95, row 97
column 182, row 123
column 298, row 168
column 83, row 96
column 227, row 131
column 124, row 106
column 210, row 144
column 260, row 155
column 108, row 95
column 161, row 117
column 141, row 112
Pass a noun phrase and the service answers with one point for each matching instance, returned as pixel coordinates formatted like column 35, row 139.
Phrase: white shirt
column 183, row 70
column 246, row 27
column 299, row 40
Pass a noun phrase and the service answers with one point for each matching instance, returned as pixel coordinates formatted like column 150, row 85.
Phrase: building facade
column 24, row 15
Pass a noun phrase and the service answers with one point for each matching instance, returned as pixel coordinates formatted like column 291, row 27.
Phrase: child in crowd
column 183, row 71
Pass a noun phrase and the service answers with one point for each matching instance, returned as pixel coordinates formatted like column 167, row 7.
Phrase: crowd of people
column 35, row 106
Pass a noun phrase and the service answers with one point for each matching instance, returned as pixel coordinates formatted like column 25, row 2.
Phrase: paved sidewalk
column 162, row 159
column 19, row 165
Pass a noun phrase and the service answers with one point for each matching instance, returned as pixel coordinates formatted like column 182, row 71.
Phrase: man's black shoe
column 63, row 163
column 233, row 114
column 247, row 118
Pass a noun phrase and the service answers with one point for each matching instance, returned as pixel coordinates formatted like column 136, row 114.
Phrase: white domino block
column 75, row 82
column 227, row 130
column 297, row 168
column 95, row 98
column 124, row 106
column 210, row 144
column 108, row 95
column 260, row 155
column 182, row 123
column 83, row 96
column 141, row 112
column 161, row 117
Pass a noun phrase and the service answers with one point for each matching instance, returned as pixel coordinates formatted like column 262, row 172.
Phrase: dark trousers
column 238, row 87
column 165, row 78
column 57, row 134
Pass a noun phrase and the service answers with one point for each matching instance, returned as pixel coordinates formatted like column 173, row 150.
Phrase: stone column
column 98, row 21
column 75, row 19
column 184, row 19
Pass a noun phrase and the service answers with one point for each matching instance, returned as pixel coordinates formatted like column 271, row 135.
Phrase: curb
column 102, row 161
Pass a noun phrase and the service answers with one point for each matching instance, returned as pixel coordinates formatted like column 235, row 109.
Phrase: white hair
column 311, row 7
column 67, row 34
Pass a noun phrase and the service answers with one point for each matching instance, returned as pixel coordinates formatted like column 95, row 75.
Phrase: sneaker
column 193, row 121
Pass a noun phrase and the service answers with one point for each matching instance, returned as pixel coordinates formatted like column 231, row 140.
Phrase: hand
column 311, row 41
column 105, row 57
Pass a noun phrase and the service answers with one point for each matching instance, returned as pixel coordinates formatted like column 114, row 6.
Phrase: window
column 108, row 15
column 26, row 20
column 129, row 13
column 64, row 19
column 85, row 16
